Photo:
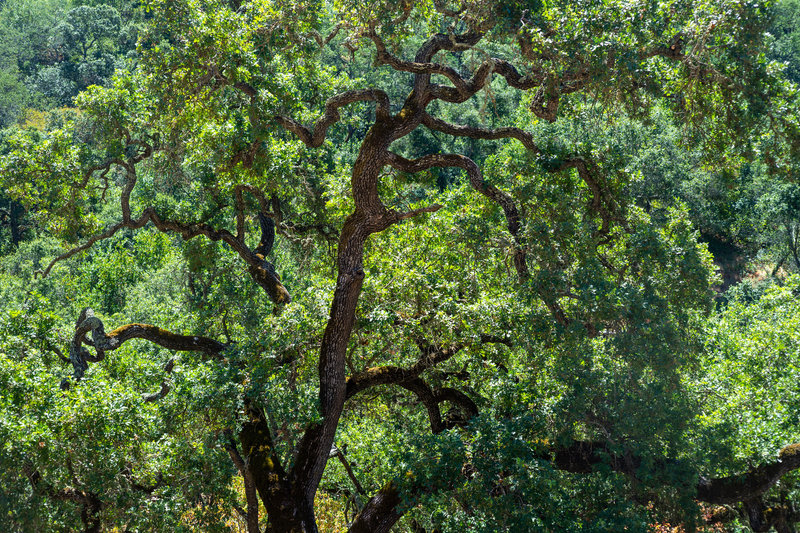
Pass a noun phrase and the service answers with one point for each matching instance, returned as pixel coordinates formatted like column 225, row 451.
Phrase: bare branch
column 473, row 132
column 409, row 379
column 324, row 41
column 339, row 453
column 104, row 342
column 449, row 42
column 110, row 232
column 331, row 115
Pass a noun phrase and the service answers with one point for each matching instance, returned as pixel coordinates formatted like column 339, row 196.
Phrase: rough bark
column 752, row 483
column 103, row 342
column 286, row 510
column 380, row 513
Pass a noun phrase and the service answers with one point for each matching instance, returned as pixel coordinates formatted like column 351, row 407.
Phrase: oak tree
column 493, row 265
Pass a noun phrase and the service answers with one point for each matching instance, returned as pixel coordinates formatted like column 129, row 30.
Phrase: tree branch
column 251, row 515
column 90, row 503
column 338, row 453
column 384, row 57
column 314, row 138
column 583, row 457
column 102, row 342
column 380, row 513
column 165, row 387
column 473, row 132
column 259, row 269
column 752, row 483
column 409, row 378
column 476, row 180
column 482, row 77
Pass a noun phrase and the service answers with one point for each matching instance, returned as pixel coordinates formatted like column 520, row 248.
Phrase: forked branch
column 316, row 136
column 476, row 180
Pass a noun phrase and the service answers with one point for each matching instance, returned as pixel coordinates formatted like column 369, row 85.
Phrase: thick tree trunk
column 369, row 216
column 286, row 512
column 289, row 497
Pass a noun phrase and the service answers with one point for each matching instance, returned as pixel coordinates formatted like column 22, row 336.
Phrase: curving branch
column 496, row 195
column 165, row 387
column 147, row 489
column 447, row 42
column 380, row 513
column 602, row 201
column 409, row 378
column 104, row 342
column 316, row 136
column 384, row 57
column 431, row 356
column 267, row 236
column 259, row 269
column 110, row 232
column 753, row 483
column 476, row 180
column 463, row 87
column 482, row 77
column 473, row 132
column 545, row 104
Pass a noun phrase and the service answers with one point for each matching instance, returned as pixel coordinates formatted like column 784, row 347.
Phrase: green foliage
column 784, row 28
column 751, row 360
column 46, row 173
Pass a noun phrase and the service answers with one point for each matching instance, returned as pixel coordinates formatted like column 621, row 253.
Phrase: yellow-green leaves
column 47, row 173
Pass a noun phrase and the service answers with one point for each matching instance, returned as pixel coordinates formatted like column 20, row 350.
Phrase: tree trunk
column 289, row 497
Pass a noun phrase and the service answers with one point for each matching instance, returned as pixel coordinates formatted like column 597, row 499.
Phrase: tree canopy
column 415, row 266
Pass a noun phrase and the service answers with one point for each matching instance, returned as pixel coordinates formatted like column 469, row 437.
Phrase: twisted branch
column 267, row 278
column 104, row 342
column 476, row 180
column 314, row 138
